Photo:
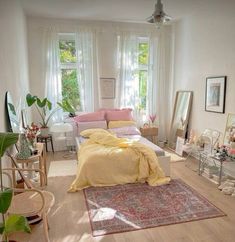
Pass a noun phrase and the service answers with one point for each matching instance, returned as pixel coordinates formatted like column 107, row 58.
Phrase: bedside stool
column 150, row 133
column 45, row 139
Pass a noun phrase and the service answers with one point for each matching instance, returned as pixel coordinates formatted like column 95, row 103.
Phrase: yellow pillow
column 118, row 124
column 88, row 132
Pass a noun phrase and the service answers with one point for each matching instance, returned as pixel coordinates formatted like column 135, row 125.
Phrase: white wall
column 13, row 54
column 204, row 47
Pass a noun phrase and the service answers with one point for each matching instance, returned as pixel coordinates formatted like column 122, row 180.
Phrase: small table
column 45, row 139
column 150, row 133
column 220, row 160
column 41, row 157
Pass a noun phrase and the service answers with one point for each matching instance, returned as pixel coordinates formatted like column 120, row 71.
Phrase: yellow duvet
column 106, row 160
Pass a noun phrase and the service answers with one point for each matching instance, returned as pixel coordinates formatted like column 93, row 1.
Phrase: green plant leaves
column 5, row 200
column 16, row 223
column 30, row 99
column 6, row 140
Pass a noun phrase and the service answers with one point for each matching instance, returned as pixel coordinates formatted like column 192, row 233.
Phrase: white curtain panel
column 53, row 87
column 128, row 83
column 87, row 69
column 158, row 77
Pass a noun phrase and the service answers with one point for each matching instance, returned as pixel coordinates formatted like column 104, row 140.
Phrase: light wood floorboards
column 69, row 218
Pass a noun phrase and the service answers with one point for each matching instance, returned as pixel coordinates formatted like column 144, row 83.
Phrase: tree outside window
column 143, row 72
column 69, row 70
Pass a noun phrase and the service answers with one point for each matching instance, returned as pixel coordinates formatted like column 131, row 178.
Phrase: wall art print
column 215, row 94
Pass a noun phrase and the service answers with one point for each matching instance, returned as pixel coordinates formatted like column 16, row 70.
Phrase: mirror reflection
column 229, row 134
column 13, row 123
column 179, row 123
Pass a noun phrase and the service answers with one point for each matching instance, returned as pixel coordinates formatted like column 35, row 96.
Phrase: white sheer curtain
column 53, row 87
column 128, row 82
column 87, row 69
column 158, row 77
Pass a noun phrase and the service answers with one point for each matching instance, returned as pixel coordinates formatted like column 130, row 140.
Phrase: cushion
column 124, row 115
column 88, row 132
column 88, row 117
column 118, row 124
column 91, row 125
column 126, row 130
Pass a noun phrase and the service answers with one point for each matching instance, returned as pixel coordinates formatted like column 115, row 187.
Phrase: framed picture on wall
column 107, row 87
column 215, row 94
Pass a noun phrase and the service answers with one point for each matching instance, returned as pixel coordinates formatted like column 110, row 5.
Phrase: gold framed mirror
column 180, row 117
column 229, row 133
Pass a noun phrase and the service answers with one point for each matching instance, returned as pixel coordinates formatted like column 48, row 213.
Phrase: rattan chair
column 30, row 202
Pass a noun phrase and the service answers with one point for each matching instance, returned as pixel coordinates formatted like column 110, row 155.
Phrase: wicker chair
column 30, row 202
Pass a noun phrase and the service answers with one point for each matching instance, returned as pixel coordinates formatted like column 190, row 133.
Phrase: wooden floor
column 69, row 218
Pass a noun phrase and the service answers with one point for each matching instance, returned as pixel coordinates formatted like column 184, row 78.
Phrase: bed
column 163, row 159
column 117, row 156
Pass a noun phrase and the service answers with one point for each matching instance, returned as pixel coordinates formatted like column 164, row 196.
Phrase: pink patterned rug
column 129, row 207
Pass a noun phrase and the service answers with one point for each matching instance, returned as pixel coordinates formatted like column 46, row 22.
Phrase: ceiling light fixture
column 159, row 17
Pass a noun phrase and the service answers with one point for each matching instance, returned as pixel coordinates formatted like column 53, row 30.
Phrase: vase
column 44, row 131
column 24, row 149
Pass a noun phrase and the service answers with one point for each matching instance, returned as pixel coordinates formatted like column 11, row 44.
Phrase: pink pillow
column 124, row 115
column 88, row 117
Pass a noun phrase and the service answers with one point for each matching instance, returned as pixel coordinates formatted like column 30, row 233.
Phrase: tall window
column 143, row 50
column 133, row 59
column 69, row 69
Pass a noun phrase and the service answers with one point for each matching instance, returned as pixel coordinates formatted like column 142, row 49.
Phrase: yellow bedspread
column 106, row 160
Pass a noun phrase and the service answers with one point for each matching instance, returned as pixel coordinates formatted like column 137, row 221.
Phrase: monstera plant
column 11, row 223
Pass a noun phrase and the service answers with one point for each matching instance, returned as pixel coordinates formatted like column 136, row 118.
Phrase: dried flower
column 152, row 117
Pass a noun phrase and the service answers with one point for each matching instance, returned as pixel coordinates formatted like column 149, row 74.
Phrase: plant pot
column 44, row 131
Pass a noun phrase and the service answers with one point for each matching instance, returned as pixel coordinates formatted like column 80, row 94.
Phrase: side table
column 216, row 160
column 45, row 139
column 150, row 133
column 41, row 157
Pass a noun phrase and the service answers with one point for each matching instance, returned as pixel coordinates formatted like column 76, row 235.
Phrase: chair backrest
column 19, row 170
column 210, row 138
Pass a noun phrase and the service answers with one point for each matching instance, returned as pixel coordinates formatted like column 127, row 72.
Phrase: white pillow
column 126, row 130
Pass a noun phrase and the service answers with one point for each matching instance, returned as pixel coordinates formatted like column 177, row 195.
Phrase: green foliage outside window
column 68, row 60
column 143, row 74
column 70, row 88
column 67, row 51
column 143, row 53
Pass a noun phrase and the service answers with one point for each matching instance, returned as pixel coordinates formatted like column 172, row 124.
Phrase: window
column 143, row 55
column 69, row 69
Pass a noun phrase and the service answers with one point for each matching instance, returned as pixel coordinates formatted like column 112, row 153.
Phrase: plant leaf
column 15, row 223
column 30, row 99
column 41, row 103
column 6, row 140
column 5, row 199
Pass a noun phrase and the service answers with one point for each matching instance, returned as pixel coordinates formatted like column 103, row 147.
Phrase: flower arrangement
column 152, row 118
column 224, row 151
column 31, row 133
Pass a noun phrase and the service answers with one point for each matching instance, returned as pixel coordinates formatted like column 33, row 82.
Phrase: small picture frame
column 215, row 94
column 107, row 87
column 179, row 146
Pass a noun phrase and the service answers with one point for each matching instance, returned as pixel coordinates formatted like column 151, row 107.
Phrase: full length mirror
column 179, row 122
column 229, row 134
column 12, row 119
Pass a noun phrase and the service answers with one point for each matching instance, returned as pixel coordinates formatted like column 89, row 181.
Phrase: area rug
column 130, row 207
column 62, row 168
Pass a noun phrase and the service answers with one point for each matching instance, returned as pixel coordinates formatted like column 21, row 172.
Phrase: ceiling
column 118, row 10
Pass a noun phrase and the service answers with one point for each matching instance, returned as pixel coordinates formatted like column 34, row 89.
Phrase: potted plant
column 44, row 108
column 67, row 106
column 11, row 223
